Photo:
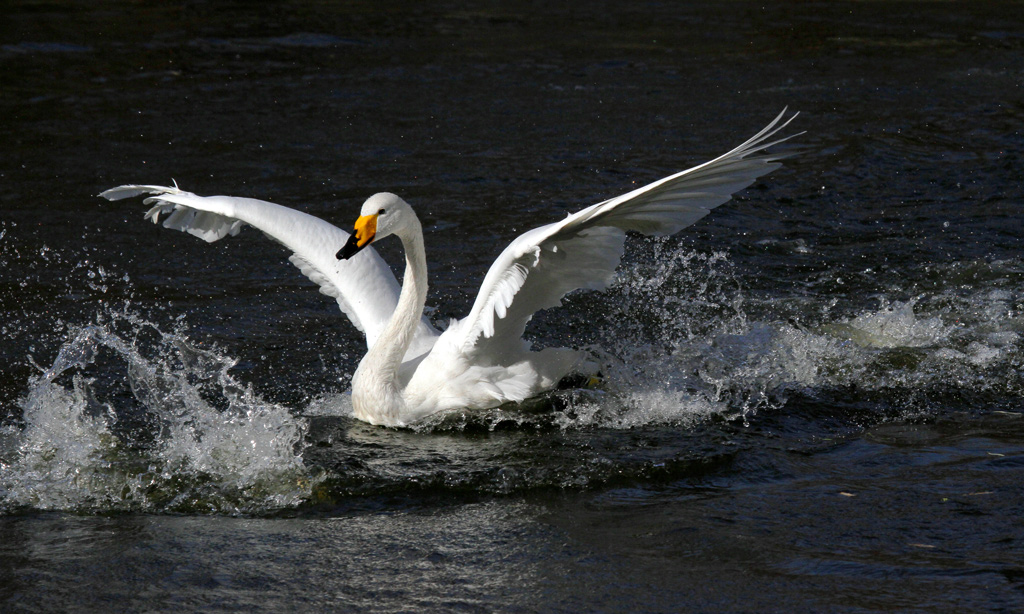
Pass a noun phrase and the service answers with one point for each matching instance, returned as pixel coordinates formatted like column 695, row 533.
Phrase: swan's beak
column 366, row 230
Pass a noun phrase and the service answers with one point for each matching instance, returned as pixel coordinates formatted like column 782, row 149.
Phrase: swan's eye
column 381, row 212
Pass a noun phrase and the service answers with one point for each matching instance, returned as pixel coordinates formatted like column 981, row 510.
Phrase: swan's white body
column 411, row 370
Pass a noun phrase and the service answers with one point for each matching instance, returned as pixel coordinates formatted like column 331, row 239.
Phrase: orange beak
column 365, row 231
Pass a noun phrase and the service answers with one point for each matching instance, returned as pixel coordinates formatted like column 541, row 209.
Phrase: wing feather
column 364, row 286
column 582, row 251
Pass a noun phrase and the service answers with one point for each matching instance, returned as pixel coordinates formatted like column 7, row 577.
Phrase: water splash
column 129, row 418
column 682, row 345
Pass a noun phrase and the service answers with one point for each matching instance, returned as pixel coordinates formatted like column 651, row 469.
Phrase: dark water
column 813, row 398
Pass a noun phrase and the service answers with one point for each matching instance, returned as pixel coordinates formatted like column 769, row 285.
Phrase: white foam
column 330, row 404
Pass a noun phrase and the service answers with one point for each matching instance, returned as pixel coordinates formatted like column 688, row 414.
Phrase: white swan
column 411, row 370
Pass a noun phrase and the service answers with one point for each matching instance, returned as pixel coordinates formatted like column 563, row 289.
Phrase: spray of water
column 682, row 344
column 130, row 418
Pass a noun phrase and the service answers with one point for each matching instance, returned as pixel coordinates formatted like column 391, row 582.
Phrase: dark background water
column 818, row 405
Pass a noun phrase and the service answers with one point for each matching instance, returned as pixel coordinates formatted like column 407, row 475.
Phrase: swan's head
column 382, row 215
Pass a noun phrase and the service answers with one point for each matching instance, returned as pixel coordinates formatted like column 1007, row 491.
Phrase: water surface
column 812, row 398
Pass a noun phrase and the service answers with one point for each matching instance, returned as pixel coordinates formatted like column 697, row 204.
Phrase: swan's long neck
column 394, row 340
column 376, row 396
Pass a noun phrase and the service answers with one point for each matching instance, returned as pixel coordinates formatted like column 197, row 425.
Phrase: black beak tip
column 350, row 249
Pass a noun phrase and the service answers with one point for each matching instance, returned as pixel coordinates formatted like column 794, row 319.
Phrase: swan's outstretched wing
column 364, row 286
column 583, row 250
